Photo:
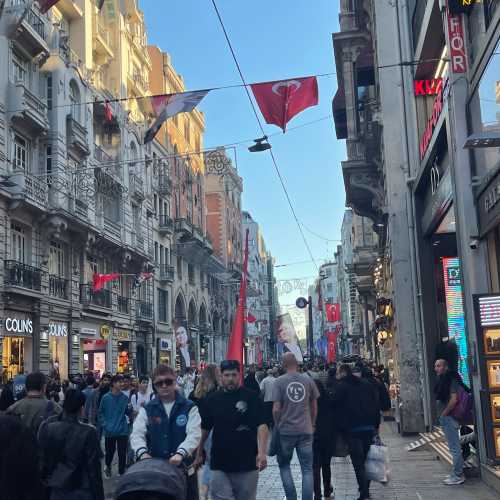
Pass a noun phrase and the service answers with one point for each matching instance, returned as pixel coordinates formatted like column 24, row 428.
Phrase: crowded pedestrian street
column 249, row 250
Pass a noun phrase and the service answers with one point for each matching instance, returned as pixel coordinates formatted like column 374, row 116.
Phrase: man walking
column 294, row 410
column 94, row 400
column 34, row 408
column 446, row 391
column 239, row 440
column 112, row 417
column 168, row 426
column 266, row 391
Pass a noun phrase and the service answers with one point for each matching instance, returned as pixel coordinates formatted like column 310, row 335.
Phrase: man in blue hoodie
column 112, row 417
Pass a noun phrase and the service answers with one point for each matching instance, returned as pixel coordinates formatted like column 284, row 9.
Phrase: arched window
column 75, row 100
column 133, row 154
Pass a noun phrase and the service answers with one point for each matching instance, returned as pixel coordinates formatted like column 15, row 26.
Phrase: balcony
column 144, row 310
column 32, row 189
column 183, row 227
column 123, row 304
column 70, row 9
column 113, row 228
column 21, row 275
column 76, row 135
column 108, row 165
column 102, row 39
column 165, row 224
column 89, row 298
column 167, row 273
column 139, row 81
column 31, row 109
column 138, row 241
column 164, row 185
column 32, row 32
column 58, row 287
column 136, row 187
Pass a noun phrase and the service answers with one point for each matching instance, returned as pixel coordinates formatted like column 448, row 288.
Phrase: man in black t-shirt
column 239, row 441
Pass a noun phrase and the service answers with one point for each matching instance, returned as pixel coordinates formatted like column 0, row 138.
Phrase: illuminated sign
column 428, row 87
column 455, row 311
column 456, row 42
column 437, row 108
column 489, row 310
column 462, row 6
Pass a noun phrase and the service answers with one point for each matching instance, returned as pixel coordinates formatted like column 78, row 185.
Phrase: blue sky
column 273, row 40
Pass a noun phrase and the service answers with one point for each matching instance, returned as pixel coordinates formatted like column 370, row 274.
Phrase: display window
column 124, row 357
column 492, row 341
column 17, row 354
column 495, row 408
column 494, row 373
column 94, row 356
column 496, row 437
column 58, row 357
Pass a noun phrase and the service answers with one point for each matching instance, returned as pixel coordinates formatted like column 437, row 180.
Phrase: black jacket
column 70, row 456
column 356, row 404
column 383, row 393
column 251, row 383
column 325, row 421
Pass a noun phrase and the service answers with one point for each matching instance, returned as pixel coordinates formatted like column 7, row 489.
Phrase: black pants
column 322, row 457
column 359, row 445
column 192, row 487
column 268, row 411
column 110, row 445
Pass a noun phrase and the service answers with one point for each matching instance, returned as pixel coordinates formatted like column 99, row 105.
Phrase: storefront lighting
column 442, row 66
column 44, row 335
column 75, row 339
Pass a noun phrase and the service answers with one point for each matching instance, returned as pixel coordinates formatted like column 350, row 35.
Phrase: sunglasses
column 166, row 382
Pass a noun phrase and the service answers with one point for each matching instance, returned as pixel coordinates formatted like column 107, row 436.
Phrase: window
column 329, row 288
column 136, row 216
column 111, row 207
column 49, row 92
column 56, row 259
column 19, row 69
column 166, row 208
column 156, row 252
column 162, row 305
column 155, row 204
column 48, row 165
column 18, row 251
column 74, row 100
column 191, row 278
column 162, row 255
column 187, row 131
column 179, row 267
column 21, row 153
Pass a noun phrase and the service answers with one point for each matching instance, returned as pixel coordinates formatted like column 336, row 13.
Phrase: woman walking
column 208, row 383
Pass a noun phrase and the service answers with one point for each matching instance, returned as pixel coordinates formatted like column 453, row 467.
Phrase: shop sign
column 428, row 87
column 456, row 43
column 105, row 332
column 489, row 310
column 88, row 331
column 165, row 345
column 20, row 326
column 437, row 108
column 489, row 205
column 438, row 203
column 58, row 329
column 462, row 6
column 122, row 334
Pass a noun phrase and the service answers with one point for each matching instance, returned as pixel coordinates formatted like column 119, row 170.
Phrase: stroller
column 152, row 479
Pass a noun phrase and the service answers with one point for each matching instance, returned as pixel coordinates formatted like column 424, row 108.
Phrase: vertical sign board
column 455, row 312
column 487, row 310
column 456, row 43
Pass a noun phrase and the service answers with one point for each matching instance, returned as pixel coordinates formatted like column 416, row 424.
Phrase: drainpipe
column 410, row 213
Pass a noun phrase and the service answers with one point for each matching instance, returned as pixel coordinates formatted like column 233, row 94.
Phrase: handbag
column 275, row 443
column 377, row 464
column 340, row 447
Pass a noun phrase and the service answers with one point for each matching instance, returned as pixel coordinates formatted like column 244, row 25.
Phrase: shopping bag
column 377, row 464
column 340, row 448
column 274, row 443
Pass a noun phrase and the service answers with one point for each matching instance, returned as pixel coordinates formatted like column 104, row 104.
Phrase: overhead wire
column 263, row 132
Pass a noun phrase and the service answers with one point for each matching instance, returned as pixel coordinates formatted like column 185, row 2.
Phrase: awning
column 339, row 114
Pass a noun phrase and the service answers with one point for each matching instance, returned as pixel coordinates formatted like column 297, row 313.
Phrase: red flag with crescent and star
column 280, row 101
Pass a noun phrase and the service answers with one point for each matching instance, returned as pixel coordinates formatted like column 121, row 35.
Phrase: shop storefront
column 17, row 344
column 124, row 355
column 164, row 355
column 58, row 350
column 94, row 341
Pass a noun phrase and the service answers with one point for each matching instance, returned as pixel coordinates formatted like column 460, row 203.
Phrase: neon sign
column 455, row 312
column 428, row 87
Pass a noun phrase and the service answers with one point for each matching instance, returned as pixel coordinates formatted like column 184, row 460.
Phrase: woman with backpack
column 451, row 393
column 70, row 454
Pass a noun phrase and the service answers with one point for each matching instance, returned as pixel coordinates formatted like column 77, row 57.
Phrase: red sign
column 456, row 43
column 437, row 108
column 428, row 87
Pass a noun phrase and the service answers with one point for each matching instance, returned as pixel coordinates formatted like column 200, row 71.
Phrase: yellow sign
column 105, row 332
column 122, row 334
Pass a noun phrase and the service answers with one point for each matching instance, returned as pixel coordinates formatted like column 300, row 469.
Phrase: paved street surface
column 415, row 475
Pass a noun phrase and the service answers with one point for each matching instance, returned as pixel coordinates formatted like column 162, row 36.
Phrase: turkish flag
column 332, row 313
column 331, row 338
column 108, row 112
column 280, row 101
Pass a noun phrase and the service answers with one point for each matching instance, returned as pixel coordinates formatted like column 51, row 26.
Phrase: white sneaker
column 454, row 480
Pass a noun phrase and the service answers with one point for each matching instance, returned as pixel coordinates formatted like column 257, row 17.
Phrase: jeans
column 110, row 445
column 322, row 457
column 234, row 485
column 359, row 444
column 206, row 473
column 303, row 444
column 451, row 430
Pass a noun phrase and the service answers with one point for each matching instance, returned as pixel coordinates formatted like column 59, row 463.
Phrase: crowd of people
column 218, row 425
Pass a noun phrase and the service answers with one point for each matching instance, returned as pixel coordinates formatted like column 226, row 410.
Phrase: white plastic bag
column 377, row 464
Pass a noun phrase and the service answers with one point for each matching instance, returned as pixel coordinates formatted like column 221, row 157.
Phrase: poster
column 182, row 341
column 287, row 336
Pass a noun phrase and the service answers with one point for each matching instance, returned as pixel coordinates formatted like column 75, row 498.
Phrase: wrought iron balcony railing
column 22, row 275
column 58, row 287
column 167, row 273
column 165, row 223
column 102, row 298
column 144, row 310
column 123, row 304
